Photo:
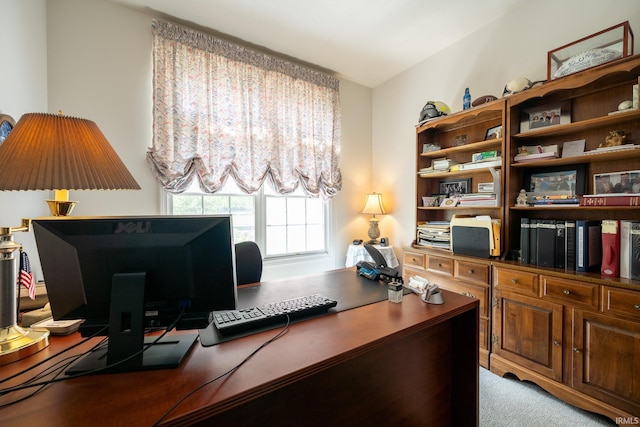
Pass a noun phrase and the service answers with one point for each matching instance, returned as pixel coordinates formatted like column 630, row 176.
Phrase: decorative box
column 604, row 46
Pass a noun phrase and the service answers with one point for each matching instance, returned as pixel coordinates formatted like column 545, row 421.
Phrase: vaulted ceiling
column 365, row 41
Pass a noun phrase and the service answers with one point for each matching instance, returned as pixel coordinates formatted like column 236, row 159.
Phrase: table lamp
column 48, row 152
column 373, row 206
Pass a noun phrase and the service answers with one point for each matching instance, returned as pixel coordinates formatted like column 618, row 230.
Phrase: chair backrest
column 248, row 263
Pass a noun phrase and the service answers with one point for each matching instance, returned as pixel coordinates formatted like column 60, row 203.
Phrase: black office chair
column 248, row 263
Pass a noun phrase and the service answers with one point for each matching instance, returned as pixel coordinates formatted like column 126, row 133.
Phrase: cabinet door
column 528, row 331
column 606, row 359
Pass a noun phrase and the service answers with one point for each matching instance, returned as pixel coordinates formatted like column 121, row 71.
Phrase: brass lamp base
column 61, row 207
column 17, row 343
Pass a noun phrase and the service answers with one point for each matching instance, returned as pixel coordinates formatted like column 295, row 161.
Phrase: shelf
column 572, row 207
column 586, row 158
column 460, row 208
column 474, row 146
column 466, row 172
column 581, row 126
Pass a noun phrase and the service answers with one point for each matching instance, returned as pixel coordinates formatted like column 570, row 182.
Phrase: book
column 625, row 248
column 610, row 265
column 546, row 245
column 524, row 240
column 569, row 245
column 634, row 259
column 560, row 244
column 610, row 200
column 588, row 245
column 533, row 241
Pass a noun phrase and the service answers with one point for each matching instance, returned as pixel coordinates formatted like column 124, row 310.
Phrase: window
column 282, row 224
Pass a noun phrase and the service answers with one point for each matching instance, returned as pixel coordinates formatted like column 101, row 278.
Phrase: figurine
column 615, row 138
column 521, row 200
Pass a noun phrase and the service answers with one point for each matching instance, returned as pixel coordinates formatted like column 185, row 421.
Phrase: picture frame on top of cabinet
column 6, row 125
column 543, row 116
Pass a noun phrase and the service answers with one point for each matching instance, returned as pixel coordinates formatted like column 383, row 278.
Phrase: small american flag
column 26, row 278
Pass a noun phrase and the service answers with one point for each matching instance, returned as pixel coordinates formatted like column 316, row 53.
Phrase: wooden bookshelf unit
column 574, row 333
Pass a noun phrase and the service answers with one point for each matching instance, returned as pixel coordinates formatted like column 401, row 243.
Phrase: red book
column 610, row 248
column 610, row 200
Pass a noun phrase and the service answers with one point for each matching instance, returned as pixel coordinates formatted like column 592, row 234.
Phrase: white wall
column 100, row 69
column 23, row 89
column 510, row 47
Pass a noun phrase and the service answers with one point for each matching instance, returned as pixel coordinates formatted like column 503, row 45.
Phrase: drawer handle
column 566, row 292
column 576, row 350
column 439, row 264
column 470, row 271
column 468, row 294
column 514, row 281
column 637, row 306
column 556, row 343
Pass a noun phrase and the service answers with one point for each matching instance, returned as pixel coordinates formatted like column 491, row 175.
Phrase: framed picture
column 454, row 186
column 6, row 126
column 545, row 115
column 493, row 133
column 616, row 182
column 566, row 180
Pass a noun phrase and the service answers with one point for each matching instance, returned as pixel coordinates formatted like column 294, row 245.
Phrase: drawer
column 622, row 302
column 413, row 258
column 408, row 272
column 570, row 292
column 441, row 265
column 471, row 271
column 519, row 281
column 474, row 291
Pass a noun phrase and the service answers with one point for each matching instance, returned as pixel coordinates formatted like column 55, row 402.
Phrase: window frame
column 260, row 224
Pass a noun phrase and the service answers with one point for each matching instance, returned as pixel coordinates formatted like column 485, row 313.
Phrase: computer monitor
column 137, row 272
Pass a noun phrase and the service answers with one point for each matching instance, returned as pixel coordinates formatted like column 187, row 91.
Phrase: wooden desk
column 409, row 364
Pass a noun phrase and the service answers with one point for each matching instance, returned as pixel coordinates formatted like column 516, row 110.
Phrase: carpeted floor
column 506, row 402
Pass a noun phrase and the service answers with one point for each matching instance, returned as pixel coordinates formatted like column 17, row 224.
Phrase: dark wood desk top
column 140, row 398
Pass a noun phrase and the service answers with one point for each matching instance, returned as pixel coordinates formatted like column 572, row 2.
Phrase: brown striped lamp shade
column 61, row 153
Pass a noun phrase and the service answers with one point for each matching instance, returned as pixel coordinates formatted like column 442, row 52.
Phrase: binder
column 546, row 246
column 588, row 245
column 610, row 265
column 569, row 245
column 634, row 261
column 524, row 240
column 560, row 244
column 625, row 248
column 533, row 241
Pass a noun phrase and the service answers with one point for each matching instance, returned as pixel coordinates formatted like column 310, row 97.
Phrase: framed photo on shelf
column 617, row 182
column 493, row 133
column 566, row 180
column 545, row 115
column 454, row 186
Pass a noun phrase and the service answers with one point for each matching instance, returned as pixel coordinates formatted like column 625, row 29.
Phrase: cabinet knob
column 439, row 264
column 576, row 350
column 566, row 292
column 556, row 343
column 470, row 271
column 637, row 306
column 514, row 281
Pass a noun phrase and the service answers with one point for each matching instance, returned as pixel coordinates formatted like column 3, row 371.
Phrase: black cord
column 82, row 374
column 284, row 330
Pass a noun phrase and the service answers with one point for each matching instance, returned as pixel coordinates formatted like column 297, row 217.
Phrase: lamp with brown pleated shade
column 61, row 153
column 48, row 152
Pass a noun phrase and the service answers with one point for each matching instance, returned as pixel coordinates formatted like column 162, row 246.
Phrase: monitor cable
column 280, row 333
column 57, row 378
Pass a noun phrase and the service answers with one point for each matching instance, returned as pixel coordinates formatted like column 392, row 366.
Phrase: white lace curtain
column 223, row 110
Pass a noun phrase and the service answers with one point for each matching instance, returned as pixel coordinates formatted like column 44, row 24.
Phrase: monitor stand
column 124, row 350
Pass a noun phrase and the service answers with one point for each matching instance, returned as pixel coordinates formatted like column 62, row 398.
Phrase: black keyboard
column 234, row 321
